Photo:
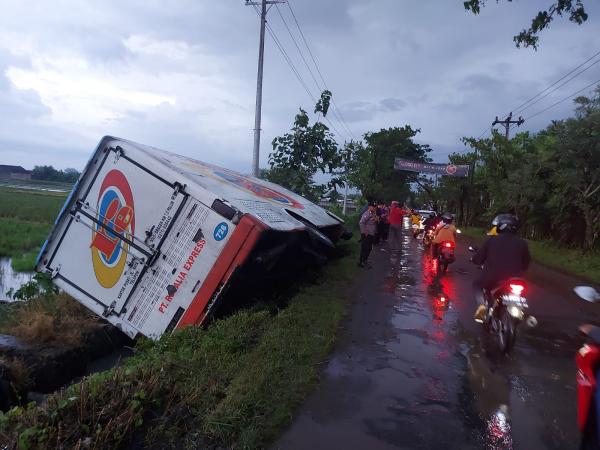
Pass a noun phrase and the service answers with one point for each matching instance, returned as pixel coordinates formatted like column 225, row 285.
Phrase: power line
column 298, row 48
column 525, row 105
column 563, row 100
column 557, row 87
column 557, row 81
column 340, row 120
column 295, row 70
column 336, row 110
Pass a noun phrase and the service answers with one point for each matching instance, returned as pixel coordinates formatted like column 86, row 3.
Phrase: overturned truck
column 152, row 240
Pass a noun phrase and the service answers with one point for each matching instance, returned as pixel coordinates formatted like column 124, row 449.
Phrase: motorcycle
column 445, row 255
column 428, row 237
column 588, row 366
column 416, row 230
column 508, row 308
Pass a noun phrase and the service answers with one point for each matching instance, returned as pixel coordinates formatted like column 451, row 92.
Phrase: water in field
column 9, row 279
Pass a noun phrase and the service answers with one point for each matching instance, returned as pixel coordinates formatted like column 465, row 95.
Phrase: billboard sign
column 432, row 168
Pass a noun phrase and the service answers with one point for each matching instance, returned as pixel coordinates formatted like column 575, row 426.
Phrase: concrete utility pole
column 506, row 123
column 259, row 79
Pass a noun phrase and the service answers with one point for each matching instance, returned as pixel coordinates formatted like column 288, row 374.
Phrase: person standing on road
column 368, row 228
column 384, row 224
column 395, row 219
column 503, row 257
column 379, row 229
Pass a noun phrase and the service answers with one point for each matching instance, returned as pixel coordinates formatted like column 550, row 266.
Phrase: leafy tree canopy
column 303, row 152
column 574, row 9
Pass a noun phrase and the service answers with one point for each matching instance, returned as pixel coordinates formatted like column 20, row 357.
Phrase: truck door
column 117, row 223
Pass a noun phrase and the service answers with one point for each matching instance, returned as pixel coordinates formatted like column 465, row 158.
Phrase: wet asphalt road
column 410, row 370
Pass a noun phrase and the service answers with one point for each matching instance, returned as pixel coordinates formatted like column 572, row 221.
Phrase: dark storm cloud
column 181, row 74
column 362, row 110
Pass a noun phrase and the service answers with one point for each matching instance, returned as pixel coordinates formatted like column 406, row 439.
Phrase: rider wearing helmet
column 445, row 231
column 503, row 257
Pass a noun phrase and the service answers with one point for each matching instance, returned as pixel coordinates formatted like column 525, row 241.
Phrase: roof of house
column 12, row 169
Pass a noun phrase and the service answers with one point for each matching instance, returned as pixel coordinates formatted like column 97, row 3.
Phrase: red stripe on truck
column 240, row 244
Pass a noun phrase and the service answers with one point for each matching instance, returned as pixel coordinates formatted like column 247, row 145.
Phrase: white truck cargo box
column 150, row 239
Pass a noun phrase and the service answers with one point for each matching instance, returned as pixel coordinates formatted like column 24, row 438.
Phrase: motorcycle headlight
column 516, row 312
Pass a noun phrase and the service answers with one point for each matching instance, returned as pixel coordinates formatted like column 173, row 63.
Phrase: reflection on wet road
column 410, row 370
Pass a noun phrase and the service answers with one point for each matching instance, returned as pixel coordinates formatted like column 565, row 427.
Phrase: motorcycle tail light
column 449, row 244
column 517, row 287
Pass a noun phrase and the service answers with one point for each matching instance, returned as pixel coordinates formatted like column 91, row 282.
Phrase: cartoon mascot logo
column 451, row 169
column 116, row 214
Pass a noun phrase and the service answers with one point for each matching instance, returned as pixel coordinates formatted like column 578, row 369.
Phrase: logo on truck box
column 116, row 214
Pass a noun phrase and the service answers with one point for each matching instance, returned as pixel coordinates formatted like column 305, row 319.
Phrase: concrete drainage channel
column 31, row 372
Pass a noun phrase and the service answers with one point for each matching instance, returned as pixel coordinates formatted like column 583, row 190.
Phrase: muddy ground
column 410, row 371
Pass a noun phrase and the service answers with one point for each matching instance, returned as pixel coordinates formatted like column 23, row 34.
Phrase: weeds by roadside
column 48, row 320
column 235, row 384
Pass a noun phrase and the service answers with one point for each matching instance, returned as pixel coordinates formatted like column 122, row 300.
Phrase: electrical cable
column 336, row 110
column 557, row 87
column 558, row 81
column 294, row 69
column 564, row 99
column 530, row 102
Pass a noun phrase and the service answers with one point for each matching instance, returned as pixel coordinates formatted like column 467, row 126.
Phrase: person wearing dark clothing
column 368, row 227
column 503, row 257
column 383, row 225
column 430, row 222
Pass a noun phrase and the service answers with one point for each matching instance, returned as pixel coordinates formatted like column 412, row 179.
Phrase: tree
column 551, row 179
column 49, row 173
column 529, row 37
column 297, row 156
column 576, row 161
column 371, row 168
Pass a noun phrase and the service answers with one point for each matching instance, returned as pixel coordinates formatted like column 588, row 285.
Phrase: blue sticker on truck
column 221, row 231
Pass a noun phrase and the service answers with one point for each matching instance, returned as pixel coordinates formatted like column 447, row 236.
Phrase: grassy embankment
column 235, row 384
column 575, row 261
column 25, row 220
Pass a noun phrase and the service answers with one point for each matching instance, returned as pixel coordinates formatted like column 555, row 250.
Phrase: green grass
column 30, row 206
column 235, row 384
column 575, row 261
column 26, row 218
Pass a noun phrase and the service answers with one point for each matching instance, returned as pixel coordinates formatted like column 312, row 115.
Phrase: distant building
column 14, row 172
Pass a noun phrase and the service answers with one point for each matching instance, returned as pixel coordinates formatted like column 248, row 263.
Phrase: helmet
column 506, row 223
column 447, row 218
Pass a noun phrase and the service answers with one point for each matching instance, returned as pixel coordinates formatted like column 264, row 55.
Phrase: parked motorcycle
column 588, row 366
column 508, row 308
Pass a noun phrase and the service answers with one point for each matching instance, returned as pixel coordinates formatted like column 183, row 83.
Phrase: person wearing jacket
column 503, row 257
column 368, row 229
column 395, row 220
column 445, row 231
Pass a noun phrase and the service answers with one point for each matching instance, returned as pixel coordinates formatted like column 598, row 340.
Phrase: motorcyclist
column 415, row 221
column 430, row 222
column 445, row 231
column 503, row 257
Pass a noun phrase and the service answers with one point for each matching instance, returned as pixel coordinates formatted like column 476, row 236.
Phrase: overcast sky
column 181, row 75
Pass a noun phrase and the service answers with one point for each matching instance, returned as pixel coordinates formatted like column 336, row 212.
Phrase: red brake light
column 517, row 287
column 449, row 244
